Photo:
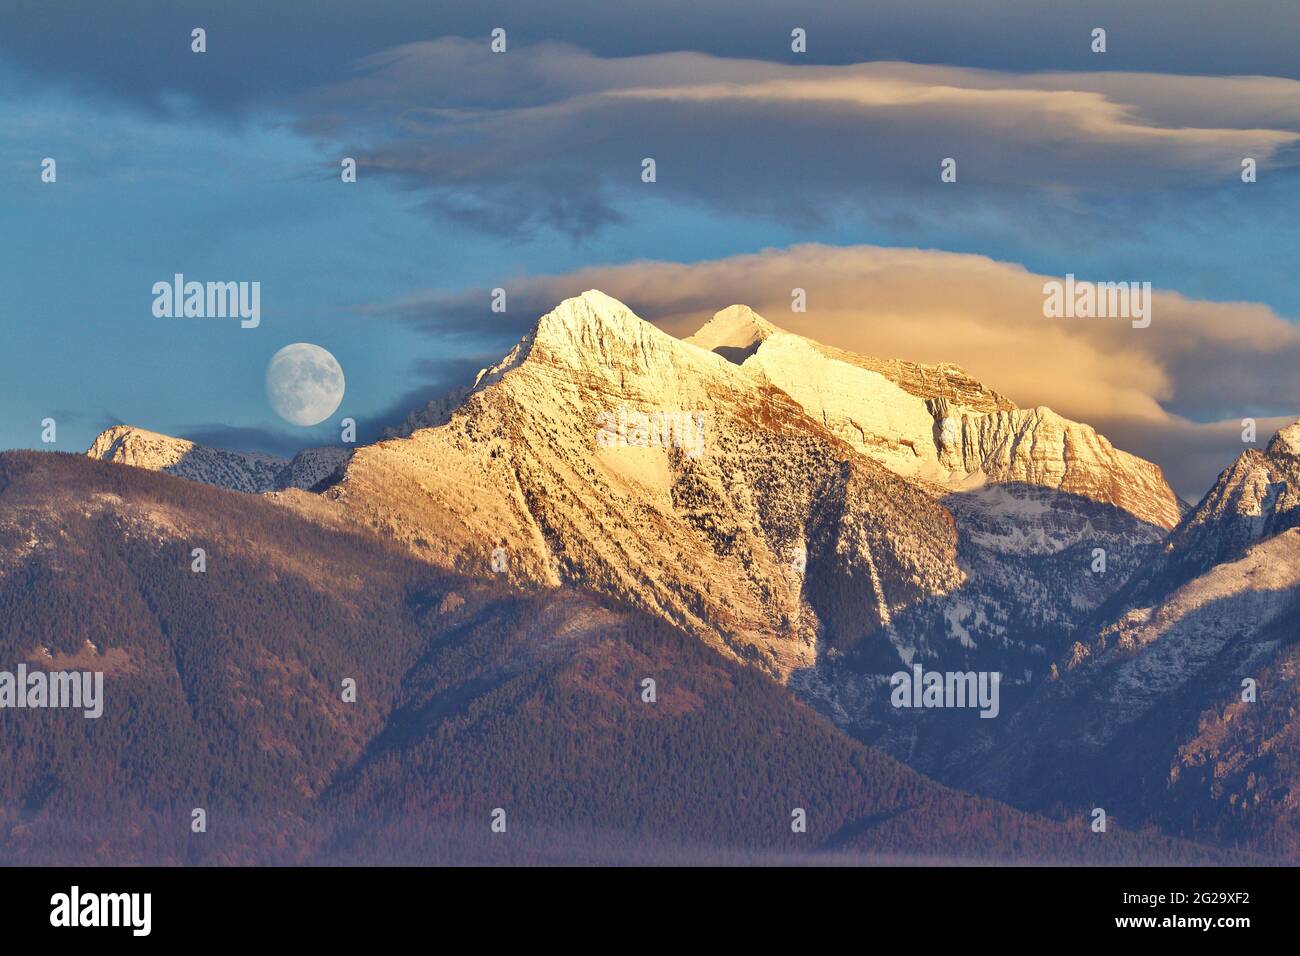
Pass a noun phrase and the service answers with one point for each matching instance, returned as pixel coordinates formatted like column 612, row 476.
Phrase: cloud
column 552, row 135
column 263, row 52
column 1174, row 392
column 1192, row 454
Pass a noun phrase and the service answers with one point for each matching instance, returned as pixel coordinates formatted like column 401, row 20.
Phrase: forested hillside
column 224, row 690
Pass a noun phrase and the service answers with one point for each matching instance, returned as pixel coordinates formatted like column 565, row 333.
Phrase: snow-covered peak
column 592, row 332
column 606, row 452
column 734, row 333
column 600, row 345
column 1257, row 497
column 589, row 320
column 1286, row 441
column 937, row 424
column 239, row 471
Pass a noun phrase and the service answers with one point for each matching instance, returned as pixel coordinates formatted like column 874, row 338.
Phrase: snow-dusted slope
column 936, row 423
column 1155, row 651
column 1224, row 574
column 857, row 405
column 717, row 529
column 239, row 471
column 1257, row 497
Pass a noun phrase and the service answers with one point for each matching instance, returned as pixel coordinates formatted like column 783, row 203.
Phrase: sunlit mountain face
column 529, row 438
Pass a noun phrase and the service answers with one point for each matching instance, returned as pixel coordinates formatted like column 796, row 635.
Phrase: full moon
column 304, row 383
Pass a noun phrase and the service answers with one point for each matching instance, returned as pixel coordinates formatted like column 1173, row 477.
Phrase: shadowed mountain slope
column 1151, row 708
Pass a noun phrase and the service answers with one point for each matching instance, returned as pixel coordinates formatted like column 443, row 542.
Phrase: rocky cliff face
column 1224, row 575
column 1256, row 498
column 1040, row 448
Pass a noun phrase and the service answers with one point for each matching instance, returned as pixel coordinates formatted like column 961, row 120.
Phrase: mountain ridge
column 249, row 472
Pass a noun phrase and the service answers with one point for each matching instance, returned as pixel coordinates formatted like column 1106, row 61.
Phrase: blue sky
column 479, row 170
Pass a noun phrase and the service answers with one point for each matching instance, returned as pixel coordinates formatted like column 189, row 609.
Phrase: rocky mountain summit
column 603, row 452
column 1258, row 497
column 249, row 472
column 936, row 423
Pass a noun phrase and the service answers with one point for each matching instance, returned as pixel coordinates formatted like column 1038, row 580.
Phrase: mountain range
column 774, row 526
